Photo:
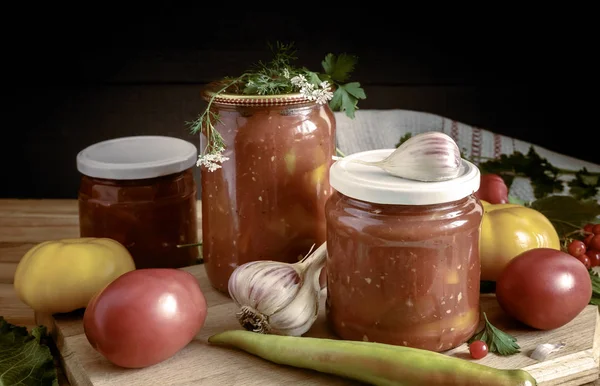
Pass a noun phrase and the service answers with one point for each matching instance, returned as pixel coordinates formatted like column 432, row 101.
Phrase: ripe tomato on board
column 544, row 288
column 145, row 316
column 492, row 189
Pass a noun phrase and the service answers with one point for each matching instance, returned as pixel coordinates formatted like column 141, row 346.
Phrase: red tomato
column 492, row 189
column 544, row 288
column 145, row 316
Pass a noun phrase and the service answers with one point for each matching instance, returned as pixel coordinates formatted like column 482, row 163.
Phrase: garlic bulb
column 278, row 298
column 431, row 156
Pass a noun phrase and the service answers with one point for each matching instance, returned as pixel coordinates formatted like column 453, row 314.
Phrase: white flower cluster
column 321, row 95
column 212, row 160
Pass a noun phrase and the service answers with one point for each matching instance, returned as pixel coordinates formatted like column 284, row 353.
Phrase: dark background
column 75, row 76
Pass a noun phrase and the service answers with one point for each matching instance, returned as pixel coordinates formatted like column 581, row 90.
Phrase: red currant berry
column 595, row 242
column 576, row 248
column 588, row 239
column 478, row 349
column 585, row 260
column 594, row 256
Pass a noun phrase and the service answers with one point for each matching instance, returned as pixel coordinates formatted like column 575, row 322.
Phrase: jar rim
column 371, row 184
column 231, row 99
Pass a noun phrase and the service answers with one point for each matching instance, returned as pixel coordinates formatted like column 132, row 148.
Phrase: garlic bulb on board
column 278, row 298
column 430, row 156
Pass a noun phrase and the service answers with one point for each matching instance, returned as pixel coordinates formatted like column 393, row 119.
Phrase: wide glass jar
column 267, row 202
column 403, row 256
column 140, row 191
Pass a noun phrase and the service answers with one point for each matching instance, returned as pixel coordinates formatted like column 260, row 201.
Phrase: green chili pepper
column 373, row 363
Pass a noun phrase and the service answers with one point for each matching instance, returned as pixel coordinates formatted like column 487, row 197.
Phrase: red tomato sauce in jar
column 403, row 256
column 140, row 191
column 267, row 202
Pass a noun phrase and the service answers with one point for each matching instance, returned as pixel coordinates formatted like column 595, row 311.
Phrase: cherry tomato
column 478, row 349
column 594, row 256
column 596, row 229
column 588, row 227
column 576, row 248
column 492, row 189
column 145, row 316
column 544, row 288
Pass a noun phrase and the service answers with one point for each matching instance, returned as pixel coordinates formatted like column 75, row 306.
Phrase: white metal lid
column 372, row 184
column 138, row 157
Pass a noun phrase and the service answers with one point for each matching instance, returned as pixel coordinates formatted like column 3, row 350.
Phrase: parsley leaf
column 340, row 67
column 24, row 359
column 497, row 341
column 345, row 98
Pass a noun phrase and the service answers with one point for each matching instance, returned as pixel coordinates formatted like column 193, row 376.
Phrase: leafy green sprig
column 497, row 340
column 279, row 77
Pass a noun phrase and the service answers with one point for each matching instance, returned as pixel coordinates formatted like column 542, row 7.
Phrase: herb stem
column 566, row 223
column 189, row 245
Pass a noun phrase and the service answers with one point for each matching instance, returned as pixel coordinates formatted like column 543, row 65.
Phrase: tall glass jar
column 403, row 256
column 267, row 201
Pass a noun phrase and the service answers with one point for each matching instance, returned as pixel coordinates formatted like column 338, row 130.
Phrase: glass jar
column 267, row 202
column 403, row 256
column 140, row 191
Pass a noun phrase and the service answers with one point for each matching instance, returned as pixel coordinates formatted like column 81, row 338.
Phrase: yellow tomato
column 508, row 230
column 63, row 275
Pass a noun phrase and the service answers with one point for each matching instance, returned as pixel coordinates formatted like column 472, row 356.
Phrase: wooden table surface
column 24, row 223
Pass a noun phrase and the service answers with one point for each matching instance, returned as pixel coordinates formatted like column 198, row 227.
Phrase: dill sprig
column 279, row 77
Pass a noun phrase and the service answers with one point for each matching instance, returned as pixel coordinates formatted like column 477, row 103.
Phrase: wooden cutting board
column 202, row 364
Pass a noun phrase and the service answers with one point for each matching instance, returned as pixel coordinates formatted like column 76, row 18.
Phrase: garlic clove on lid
column 429, row 157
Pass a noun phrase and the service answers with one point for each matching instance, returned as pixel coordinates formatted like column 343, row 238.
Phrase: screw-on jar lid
column 375, row 185
column 138, row 157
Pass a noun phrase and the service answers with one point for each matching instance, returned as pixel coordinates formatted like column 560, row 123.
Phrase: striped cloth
column 377, row 129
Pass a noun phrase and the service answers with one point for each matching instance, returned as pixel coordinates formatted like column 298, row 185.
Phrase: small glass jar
column 403, row 256
column 140, row 191
column 267, row 201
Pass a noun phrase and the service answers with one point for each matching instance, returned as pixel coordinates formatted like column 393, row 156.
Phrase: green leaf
column 595, row 298
column 24, row 359
column 567, row 213
column 313, row 77
column 354, row 89
column 584, row 185
column 497, row 341
column 543, row 175
column 340, row 67
column 344, row 98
